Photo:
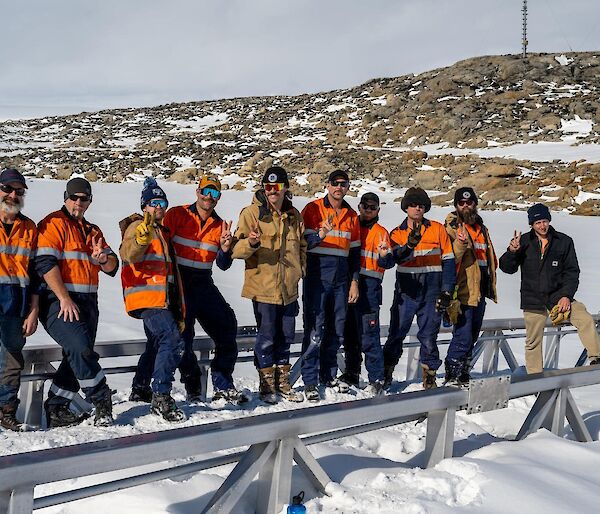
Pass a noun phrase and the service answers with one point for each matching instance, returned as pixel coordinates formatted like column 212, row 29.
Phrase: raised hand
column 515, row 242
column 144, row 232
column 226, row 237
column 326, row 227
column 383, row 248
column 254, row 235
column 461, row 234
column 98, row 250
column 414, row 237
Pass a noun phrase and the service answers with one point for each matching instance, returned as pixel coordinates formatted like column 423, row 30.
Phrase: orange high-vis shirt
column 370, row 238
column 346, row 228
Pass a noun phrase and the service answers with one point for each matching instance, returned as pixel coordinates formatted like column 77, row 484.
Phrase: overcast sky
column 65, row 56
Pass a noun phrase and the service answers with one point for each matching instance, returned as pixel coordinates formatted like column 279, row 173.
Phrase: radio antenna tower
column 524, row 42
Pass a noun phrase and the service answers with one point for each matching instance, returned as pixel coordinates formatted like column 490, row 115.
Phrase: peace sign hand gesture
column 461, row 234
column 254, row 235
column 515, row 242
column 98, row 250
column 226, row 237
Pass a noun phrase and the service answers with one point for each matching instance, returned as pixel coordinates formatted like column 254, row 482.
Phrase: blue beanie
column 150, row 191
column 538, row 212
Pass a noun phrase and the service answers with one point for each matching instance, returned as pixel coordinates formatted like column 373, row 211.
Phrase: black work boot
column 8, row 418
column 103, row 416
column 59, row 415
column 350, row 378
column 163, row 405
column 388, row 371
column 141, row 394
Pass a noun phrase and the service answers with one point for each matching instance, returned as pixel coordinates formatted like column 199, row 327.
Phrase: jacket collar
column 327, row 203
column 192, row 208
column 552, row 234
column 370, row 223
column 260, row 199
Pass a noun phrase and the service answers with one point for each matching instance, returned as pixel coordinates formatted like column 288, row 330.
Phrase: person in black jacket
column 549, row 279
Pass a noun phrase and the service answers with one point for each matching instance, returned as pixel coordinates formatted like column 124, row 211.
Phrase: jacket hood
column 260, row 199
column 125, row 222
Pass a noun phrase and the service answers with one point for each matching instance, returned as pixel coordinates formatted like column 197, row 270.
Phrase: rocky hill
column 432, row 129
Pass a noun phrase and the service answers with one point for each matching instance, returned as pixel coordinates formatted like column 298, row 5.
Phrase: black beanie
column 465, row 193
column 415, row 195
column 276, row 174
column 538, row 212
column 369, row 197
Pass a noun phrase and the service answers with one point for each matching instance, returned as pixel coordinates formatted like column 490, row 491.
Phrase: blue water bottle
column 296, row 507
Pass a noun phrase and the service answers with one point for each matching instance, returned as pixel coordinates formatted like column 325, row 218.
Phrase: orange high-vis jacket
column 196, row 244
column 370, row 237
column 148, row 271
column 434, row 247
column 346, row 229
column 69, row 241
column 479, row 243
column 17, row 252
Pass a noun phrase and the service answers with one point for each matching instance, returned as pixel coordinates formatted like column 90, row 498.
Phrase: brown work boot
column 266, row 388
column 428, row 377
column 282, row 383
column 388, row 371
column 8, row 417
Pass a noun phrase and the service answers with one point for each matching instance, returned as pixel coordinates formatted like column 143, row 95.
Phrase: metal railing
column 276, row 440
column 493, row 342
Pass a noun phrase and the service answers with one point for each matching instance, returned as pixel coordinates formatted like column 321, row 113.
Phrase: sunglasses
column 163, row 204
column 19, row 191
column 340, row 183
column 462, row 203
column 210, row 191
column 82, row 198
column 417, row 205
column 369, row 207
column 274, row 186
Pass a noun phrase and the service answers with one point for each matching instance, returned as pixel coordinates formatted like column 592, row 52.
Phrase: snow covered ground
column 373, row 472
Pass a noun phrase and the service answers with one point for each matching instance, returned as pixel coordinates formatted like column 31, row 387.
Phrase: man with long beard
column 18, row 306
column 476, row 265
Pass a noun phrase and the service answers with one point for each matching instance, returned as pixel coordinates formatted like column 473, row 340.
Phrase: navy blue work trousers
column 79, row 366
column 464, row 335
column 325, row 305
column 276, row 326
column 11, row 358
column 404, row 309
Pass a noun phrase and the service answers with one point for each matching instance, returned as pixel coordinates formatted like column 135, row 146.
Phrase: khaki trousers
column 534, row 333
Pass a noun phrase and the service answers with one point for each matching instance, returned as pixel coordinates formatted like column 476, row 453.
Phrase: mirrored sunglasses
column 82, row 198
column 273, row 186
column 340, row 183
column 369, row 207
column 19, row 191
column 158, row 202
column 210, row 191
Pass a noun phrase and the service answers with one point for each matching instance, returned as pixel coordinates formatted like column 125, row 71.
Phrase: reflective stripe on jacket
column 17, row 251
column 148, row 272
column 370, row 237
column 68, row 243
column 196, row 243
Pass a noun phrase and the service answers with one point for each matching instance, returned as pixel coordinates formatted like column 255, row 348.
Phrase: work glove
column 181, row 325
column 557, row 317
column 414, row 236
column 144, row 232
column 443, row 301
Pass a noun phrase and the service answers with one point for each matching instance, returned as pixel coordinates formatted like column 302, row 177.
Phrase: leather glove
column 144, row 232
column 443, row 301
column 414, row 237
column 557, row 317
column 181, row 325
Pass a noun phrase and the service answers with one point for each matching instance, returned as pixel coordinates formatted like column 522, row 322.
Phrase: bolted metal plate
column 490, row 393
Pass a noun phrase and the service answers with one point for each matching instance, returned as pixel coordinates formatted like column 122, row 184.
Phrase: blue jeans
column 163, row 352
column 464, row 335
column 276, row 331
column 325, row 307
column 79, row 366
column 11, row 358
column 404, row 308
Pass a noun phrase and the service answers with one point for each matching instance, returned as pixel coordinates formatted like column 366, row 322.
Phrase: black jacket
column 544, row 281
